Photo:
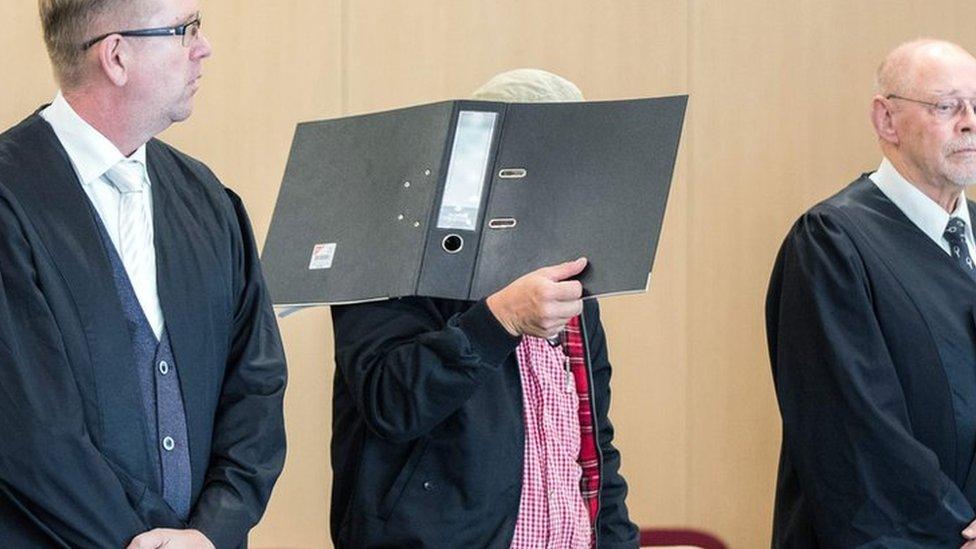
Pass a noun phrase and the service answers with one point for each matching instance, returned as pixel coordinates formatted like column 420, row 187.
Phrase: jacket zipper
column 596, row 428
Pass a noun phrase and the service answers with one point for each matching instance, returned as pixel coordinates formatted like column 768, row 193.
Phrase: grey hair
column 528, row 86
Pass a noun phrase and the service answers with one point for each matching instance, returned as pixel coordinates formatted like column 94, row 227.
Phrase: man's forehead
column 172, row 12
column 947, row 76
column 938, row 69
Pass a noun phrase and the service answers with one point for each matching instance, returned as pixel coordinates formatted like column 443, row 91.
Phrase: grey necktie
column 136, row 237
column 955, row 234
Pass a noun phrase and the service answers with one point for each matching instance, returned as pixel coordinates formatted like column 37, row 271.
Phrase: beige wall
column 777, row 120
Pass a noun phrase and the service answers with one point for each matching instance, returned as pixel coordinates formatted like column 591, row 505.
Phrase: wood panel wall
column 777, row 120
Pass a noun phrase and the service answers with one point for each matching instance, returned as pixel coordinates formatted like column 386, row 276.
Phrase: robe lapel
column 914, row 236
column 969, row 488
column 61, row 212
column 906, row 234
column 183, row 269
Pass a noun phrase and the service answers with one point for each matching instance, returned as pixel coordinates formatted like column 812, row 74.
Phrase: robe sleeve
column 846, row 428
column 406, row 370
column 248, row 450
column 49, row 468
column 615, row 527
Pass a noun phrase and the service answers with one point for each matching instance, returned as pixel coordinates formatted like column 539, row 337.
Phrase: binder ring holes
column 452, row 243
column 512, row 173
column 502, row 223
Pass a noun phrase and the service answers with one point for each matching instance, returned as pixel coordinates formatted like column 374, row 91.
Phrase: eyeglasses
column 187, row 31
column 945, row 109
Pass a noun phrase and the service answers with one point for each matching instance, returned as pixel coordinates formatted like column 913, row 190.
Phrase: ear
column 114, row 57
column 884, row 126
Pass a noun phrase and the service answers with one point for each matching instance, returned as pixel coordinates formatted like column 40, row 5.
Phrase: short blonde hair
column 528, row 86
column 67, row 24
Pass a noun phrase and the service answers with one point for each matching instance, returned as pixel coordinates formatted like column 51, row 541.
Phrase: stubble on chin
column 963, row 176
column 181, row 113
column 959, row 167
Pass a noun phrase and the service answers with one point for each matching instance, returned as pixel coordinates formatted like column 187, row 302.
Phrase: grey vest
column 161, row 393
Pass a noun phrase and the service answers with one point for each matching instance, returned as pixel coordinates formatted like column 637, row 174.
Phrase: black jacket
column 75, row 468
column 428, row 432
column 873, row 345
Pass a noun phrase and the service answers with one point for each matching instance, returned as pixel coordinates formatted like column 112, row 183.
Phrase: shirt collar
column 91, row 152
column 921, row 210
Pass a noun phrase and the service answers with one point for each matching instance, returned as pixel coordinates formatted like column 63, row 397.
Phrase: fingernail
column 969, row 533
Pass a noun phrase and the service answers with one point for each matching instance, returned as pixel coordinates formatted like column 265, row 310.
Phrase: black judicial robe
column 75, row 465
column 872, row 336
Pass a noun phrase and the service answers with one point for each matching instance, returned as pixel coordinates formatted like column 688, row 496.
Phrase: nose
column 202, row 48
column 968, row 121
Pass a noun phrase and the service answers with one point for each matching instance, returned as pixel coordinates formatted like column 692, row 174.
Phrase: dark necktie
column 955, row 234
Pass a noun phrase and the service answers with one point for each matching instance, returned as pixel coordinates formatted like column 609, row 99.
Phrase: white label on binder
column 466, row 171
column 322, row 255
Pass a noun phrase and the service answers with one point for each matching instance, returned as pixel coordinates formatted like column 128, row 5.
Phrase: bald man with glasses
column 141, row 369
column 871, row 324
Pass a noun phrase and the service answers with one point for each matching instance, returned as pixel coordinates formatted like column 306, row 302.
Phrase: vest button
column 163, row 367
column 169, row 444
column 428, row 486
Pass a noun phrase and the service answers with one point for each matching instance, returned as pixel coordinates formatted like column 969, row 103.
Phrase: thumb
column 564, row 270
column 147, row 540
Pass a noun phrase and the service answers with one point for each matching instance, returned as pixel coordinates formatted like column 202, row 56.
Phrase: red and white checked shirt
column 557, row 505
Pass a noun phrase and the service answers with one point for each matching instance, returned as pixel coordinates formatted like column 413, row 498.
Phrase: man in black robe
column 141, row 369
column 871, row 324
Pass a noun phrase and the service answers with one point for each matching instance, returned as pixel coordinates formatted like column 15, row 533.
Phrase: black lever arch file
column 459, row 198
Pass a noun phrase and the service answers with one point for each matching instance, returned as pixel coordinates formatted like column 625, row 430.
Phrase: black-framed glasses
column 946, row 108
column 188, row 32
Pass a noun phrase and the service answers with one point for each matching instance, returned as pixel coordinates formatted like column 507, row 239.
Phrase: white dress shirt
column 921, row 210
column 92, row 155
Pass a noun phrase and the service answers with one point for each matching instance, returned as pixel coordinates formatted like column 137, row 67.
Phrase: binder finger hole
column 512, row 173
column 502, row 223
column 452, row 243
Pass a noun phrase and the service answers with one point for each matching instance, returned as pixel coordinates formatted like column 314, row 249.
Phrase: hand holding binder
column 542, row 302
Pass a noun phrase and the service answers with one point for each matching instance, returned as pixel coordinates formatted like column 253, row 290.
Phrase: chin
column 181, row 115
column 962, row 178
column 962, row 174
